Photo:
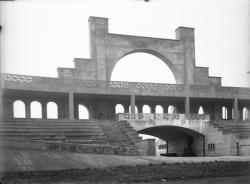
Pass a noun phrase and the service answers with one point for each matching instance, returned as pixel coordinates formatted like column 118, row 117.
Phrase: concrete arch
column 19, row 109
column 52, row 110
column 83, row 111
column 164, row 59
column 162, row 131
column 119, row 108
column 36, row 109
column 180, row 140
column 146, row 108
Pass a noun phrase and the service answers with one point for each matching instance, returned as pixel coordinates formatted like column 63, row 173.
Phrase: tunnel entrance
column 178, row 141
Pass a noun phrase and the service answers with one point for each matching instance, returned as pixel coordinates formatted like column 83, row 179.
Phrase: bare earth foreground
column 22, row 166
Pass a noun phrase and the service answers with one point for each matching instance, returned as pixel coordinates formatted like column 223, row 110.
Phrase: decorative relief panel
column 151, row 87
column 146, row 117
column 18, row 78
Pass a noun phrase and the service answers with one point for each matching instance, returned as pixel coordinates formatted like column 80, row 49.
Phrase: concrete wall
column 225, row 144
column 146, row 147
column 107, row 49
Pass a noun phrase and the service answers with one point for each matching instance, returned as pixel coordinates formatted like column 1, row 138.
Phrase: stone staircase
column 129, row 132
column 114, row 134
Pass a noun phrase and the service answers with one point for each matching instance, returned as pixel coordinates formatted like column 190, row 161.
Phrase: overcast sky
column 38, row 35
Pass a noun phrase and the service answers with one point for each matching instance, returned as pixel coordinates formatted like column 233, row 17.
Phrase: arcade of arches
column 49, row 110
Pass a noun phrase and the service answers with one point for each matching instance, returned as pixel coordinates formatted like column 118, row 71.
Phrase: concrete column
column 217, row 111
column 126, row 108
column 152, row 108
column 165, row 109
column 229, row 112
column 1, row 103
column 27, row 108
column 187, row 106
column 248, row 113
column 139, row 107
column 44, row 110
column 132, row 103
column 71, row 106
column 236, row 110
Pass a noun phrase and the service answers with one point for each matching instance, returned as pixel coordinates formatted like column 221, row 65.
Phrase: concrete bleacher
column 85, row 136
column 52, row 130
column 231, row 126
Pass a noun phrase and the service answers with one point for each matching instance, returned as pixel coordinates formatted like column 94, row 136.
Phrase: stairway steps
column 43, row 125
column 50, row 130
column 232, row 126
column 53, row 130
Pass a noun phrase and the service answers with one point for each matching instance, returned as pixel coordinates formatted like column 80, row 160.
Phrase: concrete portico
column 223, row 130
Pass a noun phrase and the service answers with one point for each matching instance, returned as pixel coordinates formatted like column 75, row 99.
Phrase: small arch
column 136, row 109
column 19, row 109
column 171, row 109
column 201, row 110
column 35, row 109
column 146, row 109
column 119, row 108
column 224, row 113
column 83, row 112
column 52, row 110
column 159, row 109
column 245, row 114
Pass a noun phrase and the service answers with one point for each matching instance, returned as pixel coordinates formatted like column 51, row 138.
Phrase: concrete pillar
column 71, row 106
column 236, row 110
column 139, row 108
column 132, row 103
column 165, row 108
column 217, row 111
column 248, row 113
column 186, row 37
column 187, row 106
column 229, row 112
column 1, row 103
column 98, row 32
column 44, row 110
column 27, row 108
column 152, row 108
column 126, row 108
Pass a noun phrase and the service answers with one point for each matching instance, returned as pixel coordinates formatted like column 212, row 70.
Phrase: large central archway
column 142, row 67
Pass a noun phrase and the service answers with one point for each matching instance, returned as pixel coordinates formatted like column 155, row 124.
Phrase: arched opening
column 136, row 109
column 83, row 112
column 35, row 109
column 18, row 109
column 201, row 110
column 224, row 113
column 119, row 108
column 144, row 64
column 146, row 109
column 245, row 114
column 159, row 109
column 171, row 109
column 180, row 141
column 52, row 110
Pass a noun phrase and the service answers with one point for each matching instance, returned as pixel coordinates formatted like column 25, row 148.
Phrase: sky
column 40, row 35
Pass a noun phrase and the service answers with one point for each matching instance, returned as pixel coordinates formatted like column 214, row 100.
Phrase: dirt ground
column 223, row 172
